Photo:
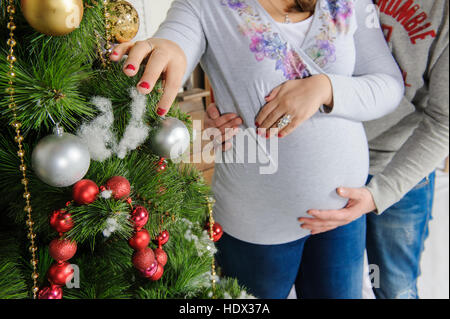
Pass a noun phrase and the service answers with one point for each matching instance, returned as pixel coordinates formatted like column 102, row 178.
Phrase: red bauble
column 140, row 240
column 143, row 259
column 139, row 216
column 150, row 271
column 62, row 249
column 85, row 192
column 53, row 292
column 119, row 186
column 162, row 165
column 158, row 274
column 60, row 273
column 217, row 231
column 162, row 238
column 61, row 221
column 161, row 256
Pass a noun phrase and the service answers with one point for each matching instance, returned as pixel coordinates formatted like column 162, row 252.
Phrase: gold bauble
column 124, row 21
column 53, row 17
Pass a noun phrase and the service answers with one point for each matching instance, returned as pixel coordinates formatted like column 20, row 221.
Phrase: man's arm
column 420, row 155
column 425, row 149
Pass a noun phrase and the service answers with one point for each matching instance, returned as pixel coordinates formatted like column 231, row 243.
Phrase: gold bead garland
column 104, row 57
column 211, row 234
column 11, row 10
column 107, row 26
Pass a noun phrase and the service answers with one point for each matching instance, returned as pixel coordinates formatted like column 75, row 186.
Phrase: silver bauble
column 171, row 139
column 61, row 159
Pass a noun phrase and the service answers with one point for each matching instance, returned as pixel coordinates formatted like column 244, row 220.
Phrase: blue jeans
column 327, row 265
column 395, row 241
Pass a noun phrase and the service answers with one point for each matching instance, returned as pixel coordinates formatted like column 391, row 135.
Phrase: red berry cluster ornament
column 162, row 238
column 162, row 165
column 61, row 250
column 53, row 292
column 160, row 255
column 148, row 262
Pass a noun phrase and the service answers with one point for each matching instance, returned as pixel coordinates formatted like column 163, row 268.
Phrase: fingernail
column 161, row 111
column 256, row 124
column 115, row 53
column 144, row 85
column 131, row 67
column 280, row 135
column 267, row 134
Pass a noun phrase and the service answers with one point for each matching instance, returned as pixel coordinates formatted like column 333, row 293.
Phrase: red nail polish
column 115, row 53
column 267, row 134
column 144, row 85
column 130, row 67
column 256, row 124
column 160, row 112
column 280, row 135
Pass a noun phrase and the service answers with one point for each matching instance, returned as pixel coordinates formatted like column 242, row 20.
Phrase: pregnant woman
column 314, row 70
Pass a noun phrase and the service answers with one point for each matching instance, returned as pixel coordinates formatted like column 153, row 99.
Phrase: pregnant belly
column 306, row 168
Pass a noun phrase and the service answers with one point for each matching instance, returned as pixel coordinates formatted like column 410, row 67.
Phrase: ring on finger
column 284, row 121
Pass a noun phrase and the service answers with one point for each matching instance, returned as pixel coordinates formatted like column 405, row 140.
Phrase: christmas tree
column 120, row 220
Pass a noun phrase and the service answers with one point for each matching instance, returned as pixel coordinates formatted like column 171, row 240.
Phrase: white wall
column 151, row 13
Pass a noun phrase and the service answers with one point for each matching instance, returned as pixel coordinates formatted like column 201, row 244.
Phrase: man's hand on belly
column 360, row 202
column 222, row 127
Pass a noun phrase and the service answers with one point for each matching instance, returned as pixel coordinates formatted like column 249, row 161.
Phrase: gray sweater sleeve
column 426, row 147
column 183, row 26
column 376, row 87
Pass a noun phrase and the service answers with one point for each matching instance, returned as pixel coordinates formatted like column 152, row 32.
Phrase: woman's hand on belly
column 165, row 58
column 300, row 99
column 360, row 202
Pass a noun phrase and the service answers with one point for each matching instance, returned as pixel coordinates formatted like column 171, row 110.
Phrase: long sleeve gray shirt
column 246, row 55
column 408, row 144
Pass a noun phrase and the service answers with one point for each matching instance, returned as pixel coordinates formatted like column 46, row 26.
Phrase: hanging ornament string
column 105, row 52
column 211, row 235
column 11, row 9
column 106, row 15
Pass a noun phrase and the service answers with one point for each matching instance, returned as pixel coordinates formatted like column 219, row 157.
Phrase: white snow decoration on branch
column 111, row 226
column 203, row 244
column 137, row 131
column 106, row 194
column 98, row 134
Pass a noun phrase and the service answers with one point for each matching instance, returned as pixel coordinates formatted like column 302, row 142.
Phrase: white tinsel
column 111, row 226
column 245, row 295
column 98, row 134
column 203, row 244
column 106, row 194
column 137, row 131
